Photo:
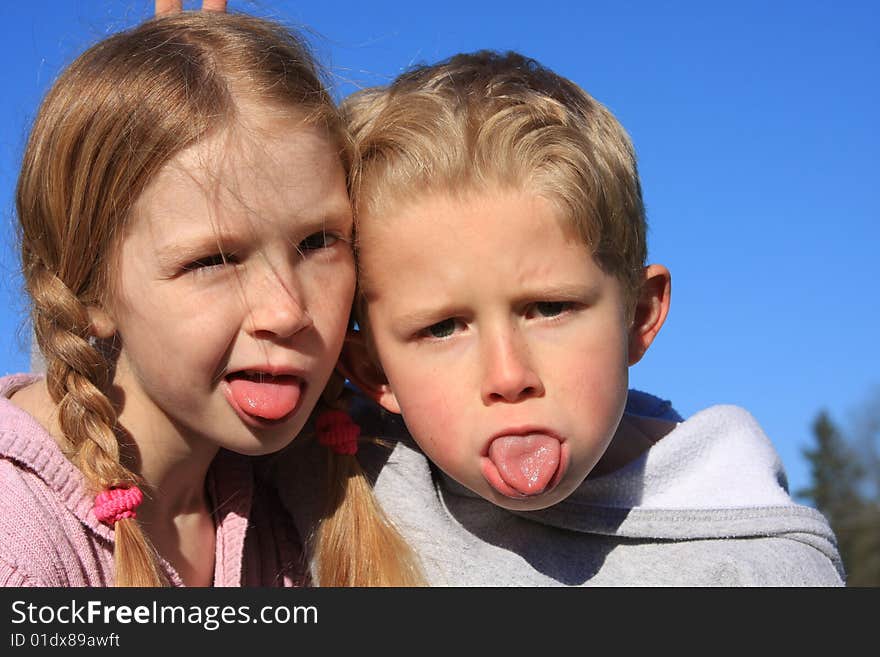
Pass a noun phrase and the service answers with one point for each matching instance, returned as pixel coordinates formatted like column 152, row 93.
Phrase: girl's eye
column 551, row 308
column 215, row 260
column 442, row 329
column 317, row 241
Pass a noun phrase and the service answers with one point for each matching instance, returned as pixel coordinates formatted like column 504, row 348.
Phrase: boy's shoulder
column 701, row 495
column 719, row 457
column 644, row 404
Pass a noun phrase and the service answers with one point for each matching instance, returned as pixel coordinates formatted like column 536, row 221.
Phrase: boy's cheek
column 428, row 412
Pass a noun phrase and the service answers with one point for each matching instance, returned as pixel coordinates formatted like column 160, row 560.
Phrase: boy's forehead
column 467, row 213
column 441, row 232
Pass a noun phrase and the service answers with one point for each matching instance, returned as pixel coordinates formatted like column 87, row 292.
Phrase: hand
column 173, row 6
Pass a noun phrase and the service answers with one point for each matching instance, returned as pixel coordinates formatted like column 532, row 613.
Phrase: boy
column 503, row 296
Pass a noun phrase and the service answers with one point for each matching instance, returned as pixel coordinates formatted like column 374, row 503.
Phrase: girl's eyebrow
column 195, row 247
column 201, row 244
column 328, row 221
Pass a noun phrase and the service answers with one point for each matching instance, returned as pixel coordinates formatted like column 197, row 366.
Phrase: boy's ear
column 102, row 323
column 652, row 306
column 357, row 364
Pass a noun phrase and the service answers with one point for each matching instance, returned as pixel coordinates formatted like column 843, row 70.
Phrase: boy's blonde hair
column 111, row 121
column 491, row 119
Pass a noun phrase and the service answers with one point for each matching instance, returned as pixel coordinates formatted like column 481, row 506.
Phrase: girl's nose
column 277, row 307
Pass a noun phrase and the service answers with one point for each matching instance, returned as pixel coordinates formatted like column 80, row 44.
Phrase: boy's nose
column 277, row 307
column 509, row 374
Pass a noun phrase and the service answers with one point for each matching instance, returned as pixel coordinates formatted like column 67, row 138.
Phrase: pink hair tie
column 338, row 431
column 114, row 504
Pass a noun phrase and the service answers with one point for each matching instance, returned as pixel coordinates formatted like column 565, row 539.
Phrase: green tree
column 866, row 541
column 838, row 490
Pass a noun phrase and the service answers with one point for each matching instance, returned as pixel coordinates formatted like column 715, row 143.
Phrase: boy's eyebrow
column 581, row 293
column 426, row 316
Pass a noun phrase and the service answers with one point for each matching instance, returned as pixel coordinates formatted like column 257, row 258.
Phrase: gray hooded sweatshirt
column 707, row 505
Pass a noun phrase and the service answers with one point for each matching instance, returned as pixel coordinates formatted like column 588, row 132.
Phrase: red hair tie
column 338, row 431
column 114, row 504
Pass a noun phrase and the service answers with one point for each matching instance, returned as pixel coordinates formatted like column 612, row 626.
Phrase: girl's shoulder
column 24, row 440
column 24, row 401
column 11, row 383
column 46, row 538
column 45, row 511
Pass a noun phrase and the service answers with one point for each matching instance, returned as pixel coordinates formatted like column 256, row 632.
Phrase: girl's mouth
column 263, row 396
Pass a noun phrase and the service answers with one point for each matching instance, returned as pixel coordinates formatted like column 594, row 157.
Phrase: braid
column 76, row 371
column 77, row 374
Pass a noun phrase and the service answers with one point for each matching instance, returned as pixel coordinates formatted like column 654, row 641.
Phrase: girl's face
column 234, row 284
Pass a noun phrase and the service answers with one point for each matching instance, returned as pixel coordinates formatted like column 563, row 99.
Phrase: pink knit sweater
column 49, row 535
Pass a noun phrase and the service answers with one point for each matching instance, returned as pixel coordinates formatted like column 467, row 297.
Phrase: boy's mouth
column 264, row 396
column 523, row 465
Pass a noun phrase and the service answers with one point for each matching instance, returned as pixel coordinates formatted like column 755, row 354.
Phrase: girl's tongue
column 265, row 396
column 526, row 463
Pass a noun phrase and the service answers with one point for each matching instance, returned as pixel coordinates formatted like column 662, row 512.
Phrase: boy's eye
column 441, row 329
column 551, row 308
column 317, row 241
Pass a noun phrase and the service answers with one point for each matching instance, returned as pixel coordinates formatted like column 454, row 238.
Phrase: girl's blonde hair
column 111, row 121
column 354, row 543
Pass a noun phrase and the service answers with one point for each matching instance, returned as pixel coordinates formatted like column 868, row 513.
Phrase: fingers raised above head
column 168, row 6
column 174, row 6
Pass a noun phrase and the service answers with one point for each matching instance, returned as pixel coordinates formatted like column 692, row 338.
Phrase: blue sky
column 755, row 128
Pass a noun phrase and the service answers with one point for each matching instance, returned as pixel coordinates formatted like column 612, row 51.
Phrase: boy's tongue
column 265, row 396
column 526, row 463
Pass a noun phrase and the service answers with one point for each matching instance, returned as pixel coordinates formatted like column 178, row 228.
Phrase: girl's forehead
column 276, row 165
column 284, row 179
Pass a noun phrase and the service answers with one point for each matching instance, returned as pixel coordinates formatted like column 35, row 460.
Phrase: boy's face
column 503, row 343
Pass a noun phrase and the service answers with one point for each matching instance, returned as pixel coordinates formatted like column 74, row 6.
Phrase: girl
column 185, row 238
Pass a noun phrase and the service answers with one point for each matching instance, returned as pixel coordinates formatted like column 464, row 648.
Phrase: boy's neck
column 634, row 436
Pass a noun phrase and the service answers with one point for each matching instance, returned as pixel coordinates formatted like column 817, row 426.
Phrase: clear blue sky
column 755, row 125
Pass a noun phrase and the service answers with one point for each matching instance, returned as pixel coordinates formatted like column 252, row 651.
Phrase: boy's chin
column 535, row 502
